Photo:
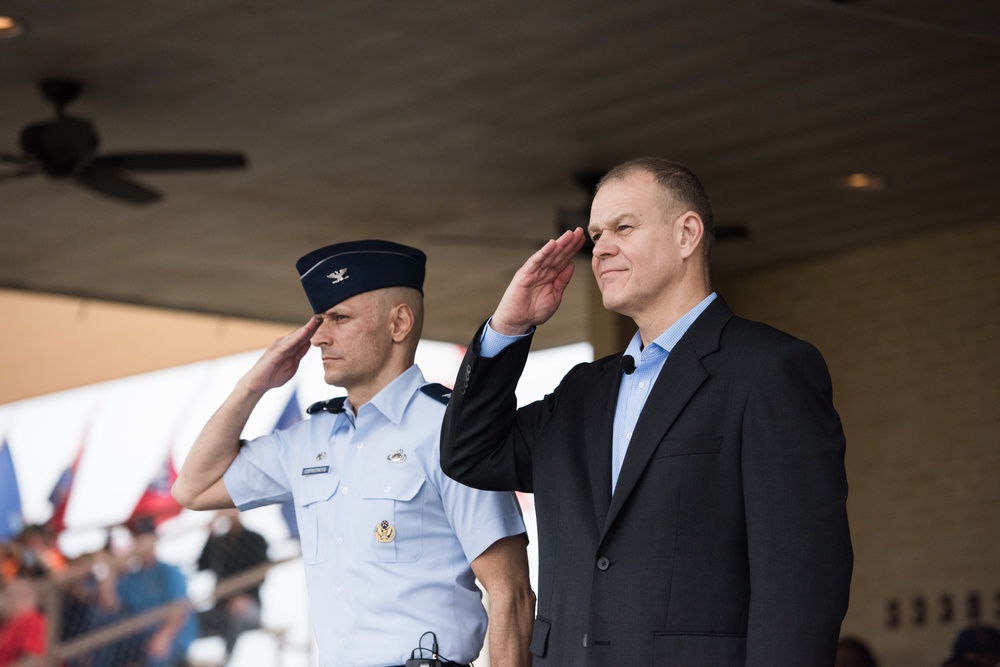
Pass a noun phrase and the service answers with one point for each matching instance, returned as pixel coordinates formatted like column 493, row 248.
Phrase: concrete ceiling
column 458, row 127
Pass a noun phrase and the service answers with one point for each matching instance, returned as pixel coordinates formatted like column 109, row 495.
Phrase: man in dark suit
column 690, row 494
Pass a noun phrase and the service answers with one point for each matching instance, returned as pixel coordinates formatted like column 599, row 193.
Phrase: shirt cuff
column 493, row 343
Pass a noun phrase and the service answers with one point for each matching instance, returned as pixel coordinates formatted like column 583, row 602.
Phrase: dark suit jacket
column 726, row 542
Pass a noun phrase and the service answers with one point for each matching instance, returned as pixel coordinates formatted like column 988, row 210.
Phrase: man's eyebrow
column 618, row 219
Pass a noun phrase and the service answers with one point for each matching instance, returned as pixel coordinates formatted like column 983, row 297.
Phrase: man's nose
column 603, row 246
column 319, row 336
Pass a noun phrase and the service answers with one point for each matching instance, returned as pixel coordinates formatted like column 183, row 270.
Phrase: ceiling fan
column 66, row 148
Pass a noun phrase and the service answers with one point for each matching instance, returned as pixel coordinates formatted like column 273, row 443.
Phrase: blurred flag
column 291, row 415
column 156, row 501
column 11, row 520
column 60, row 493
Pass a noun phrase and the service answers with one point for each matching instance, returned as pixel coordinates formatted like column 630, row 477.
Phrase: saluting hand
column 536, row 290
column 280, row 361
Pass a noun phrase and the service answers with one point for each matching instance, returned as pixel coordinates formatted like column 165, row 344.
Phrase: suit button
column 603, row 563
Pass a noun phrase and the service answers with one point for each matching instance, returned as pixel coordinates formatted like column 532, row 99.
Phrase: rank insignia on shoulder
column 385, row 532
column 438, row 392
column 333, row 406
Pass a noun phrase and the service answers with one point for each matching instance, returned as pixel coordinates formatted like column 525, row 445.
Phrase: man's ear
column 401, row 322
column 691, row 231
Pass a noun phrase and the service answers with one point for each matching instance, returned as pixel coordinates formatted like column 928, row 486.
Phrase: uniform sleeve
column 258, row 476
column 478, row 518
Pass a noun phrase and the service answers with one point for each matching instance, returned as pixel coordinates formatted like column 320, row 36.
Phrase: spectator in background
column 22, row 626
column 10, row 562
column 231, row 549
column 852, row 652
column 80, row 610
column 32, row 554
column 976, row 646
column 149, row 584
column 40, row 548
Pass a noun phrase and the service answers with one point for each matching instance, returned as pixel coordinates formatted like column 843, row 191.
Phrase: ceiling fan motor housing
column 60, row 145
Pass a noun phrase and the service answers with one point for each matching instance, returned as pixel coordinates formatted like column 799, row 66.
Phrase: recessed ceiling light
column 866, row 182
column 10, row 27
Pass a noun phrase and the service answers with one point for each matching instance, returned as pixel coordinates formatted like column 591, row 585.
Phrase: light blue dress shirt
column 634, row 388
column 386, row 536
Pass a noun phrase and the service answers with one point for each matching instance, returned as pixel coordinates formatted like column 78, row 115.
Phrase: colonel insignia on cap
column 338, row 276
column 337, row 272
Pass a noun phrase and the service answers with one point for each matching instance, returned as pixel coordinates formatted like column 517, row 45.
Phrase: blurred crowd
column 121, row 606
column 975, row 646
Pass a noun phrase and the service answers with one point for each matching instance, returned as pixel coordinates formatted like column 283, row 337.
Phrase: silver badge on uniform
column 396, row 457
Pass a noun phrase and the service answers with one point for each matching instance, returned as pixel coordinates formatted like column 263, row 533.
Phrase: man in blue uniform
column 392, row 546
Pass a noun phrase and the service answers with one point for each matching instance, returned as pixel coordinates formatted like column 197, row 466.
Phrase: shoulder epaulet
column 438, row 392
column 333, row 406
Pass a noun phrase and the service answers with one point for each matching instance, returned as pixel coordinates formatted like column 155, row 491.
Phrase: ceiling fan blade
column 109, row 182
column 169, row 161
column 21, row 173
column 14, row 159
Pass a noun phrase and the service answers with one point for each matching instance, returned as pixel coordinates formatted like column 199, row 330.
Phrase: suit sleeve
column 795, row 490
column 485, row 440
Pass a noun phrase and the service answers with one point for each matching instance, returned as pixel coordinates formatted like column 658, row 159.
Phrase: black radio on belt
column 433, row 661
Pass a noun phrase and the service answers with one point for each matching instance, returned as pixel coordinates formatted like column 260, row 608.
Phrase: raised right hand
column 535, row 292
column 280, row 361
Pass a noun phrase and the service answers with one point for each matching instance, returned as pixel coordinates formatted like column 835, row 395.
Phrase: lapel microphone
column 628, row 364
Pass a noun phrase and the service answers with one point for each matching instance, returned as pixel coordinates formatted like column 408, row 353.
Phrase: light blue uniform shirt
column 356, row 481
column 634, row 388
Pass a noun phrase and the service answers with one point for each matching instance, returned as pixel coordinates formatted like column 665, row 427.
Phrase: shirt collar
column 665, row 342
column 392, row 400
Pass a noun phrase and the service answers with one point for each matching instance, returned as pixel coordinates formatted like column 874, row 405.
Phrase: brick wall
column 911, row 332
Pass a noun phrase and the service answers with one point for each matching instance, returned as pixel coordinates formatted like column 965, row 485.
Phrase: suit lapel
column 601, row 405
column 681, row 376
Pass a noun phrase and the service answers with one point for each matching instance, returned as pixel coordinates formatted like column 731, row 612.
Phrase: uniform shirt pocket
column 312, row 499
column 392, row 515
